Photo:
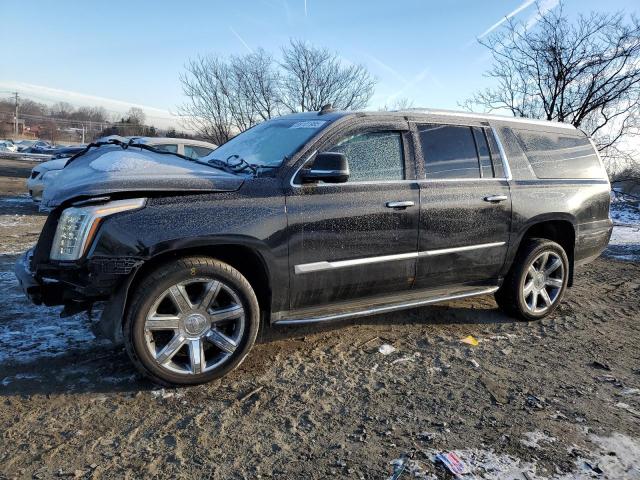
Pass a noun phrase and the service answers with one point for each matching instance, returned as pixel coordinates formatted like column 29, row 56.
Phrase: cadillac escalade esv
column 315, row 217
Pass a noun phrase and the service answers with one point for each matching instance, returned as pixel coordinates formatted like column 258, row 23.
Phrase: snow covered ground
column 625, row 240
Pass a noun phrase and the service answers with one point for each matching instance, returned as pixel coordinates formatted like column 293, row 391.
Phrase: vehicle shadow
column 107, row 369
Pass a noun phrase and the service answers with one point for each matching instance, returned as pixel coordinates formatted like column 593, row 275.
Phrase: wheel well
column 560, row 231
column 246, row 260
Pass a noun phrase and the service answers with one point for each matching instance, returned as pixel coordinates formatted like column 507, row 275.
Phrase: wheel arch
column 249, row 260
column 557, row 227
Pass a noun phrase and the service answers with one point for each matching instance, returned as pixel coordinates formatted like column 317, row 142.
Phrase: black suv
column 316, row 217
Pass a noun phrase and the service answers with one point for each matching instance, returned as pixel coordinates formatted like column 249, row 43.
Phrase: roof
column 426, row 112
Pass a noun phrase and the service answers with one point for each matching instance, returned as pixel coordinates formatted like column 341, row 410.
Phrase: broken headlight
column 78, row 225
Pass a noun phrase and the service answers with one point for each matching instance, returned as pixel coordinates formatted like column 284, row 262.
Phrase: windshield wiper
column 239, row 166
column 130, row 143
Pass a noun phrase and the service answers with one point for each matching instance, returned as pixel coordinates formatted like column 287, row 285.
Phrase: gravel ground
column 558, row 398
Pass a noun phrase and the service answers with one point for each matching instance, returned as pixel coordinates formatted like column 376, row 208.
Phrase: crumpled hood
column 110, row 169
column 49, row 165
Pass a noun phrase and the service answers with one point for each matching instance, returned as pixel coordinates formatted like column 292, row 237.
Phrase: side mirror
column 328, row 167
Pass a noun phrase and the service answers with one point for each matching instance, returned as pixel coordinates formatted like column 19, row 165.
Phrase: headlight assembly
column 50, row 175
column 78, row 225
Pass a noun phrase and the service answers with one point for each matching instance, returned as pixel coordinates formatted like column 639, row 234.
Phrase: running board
column 383, row 308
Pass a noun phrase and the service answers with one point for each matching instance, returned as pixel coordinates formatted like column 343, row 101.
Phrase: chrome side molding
column 326, row 265
column 385, row 308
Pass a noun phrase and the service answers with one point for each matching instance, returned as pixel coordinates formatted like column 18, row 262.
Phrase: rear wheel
column 191, row 321
column 537, row 281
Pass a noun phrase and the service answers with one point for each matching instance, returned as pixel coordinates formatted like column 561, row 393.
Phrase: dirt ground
column 559, row 398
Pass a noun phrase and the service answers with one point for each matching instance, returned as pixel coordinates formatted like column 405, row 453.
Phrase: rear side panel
column 557, row 175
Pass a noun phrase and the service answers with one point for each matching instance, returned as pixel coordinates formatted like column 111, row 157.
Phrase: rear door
column 347, row 240
column 465, row 206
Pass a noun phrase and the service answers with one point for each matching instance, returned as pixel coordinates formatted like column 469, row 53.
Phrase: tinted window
column 559, row 155
column 194, row 151
column 449, row 151
column 373, row 156
column 167, row 148
column 486, row 167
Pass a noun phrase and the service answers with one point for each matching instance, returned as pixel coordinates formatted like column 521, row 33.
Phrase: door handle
column 495, row 198
column 400, row 205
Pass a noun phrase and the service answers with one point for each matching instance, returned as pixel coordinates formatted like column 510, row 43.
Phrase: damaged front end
column 59, row 271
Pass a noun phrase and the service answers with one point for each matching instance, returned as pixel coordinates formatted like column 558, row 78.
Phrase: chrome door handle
column 404, row 204
column 495, row 198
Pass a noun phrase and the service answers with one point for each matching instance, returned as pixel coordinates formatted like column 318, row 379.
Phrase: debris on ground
column 386, row 349
column 453, row 464
column 470, row 340
column 600, row 365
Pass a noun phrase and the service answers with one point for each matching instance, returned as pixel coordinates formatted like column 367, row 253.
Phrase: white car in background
column 42, row 174
column 8, row 146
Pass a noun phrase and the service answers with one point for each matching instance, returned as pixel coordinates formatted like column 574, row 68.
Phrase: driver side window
column 373, row 155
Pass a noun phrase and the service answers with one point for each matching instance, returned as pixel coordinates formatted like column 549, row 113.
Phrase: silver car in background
column 45, row 172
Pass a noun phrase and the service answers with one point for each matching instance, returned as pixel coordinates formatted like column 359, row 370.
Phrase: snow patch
column 30, row 331
column 625, row 238
column 533, row 439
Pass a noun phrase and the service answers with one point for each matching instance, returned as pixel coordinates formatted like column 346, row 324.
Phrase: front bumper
column 39, row 291
column 35, row 187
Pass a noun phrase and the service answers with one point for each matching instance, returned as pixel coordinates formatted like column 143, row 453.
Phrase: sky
column 121, row 54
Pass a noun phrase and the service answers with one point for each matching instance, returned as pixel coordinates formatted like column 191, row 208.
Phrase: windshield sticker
column 309, row 124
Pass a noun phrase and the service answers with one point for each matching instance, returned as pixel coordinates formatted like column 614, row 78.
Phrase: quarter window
column 449, row 151
column 556, row 155
column 373, row 156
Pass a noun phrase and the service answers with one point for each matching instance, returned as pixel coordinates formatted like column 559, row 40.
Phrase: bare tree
column 402, row 103
column 586, row 73
column 257, row 83
column 226, row 96
column 207, row 85
column 136, row 116
column 313, row 77
column 62, row 109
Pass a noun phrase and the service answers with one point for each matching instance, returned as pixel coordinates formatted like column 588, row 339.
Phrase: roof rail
column 485, row 116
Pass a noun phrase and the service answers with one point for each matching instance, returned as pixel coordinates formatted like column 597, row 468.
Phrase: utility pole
column 83, row 133
column 15, row 118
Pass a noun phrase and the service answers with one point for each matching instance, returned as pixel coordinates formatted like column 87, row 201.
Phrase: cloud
column 158, row 117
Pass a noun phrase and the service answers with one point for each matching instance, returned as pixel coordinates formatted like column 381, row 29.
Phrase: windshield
column 268, row 143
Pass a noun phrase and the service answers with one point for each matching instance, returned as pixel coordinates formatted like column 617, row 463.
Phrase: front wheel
column 537, row 281
column 191, row 321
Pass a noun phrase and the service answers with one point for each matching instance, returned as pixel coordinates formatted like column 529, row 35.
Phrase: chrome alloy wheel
column 194, row 326
column 543, row 282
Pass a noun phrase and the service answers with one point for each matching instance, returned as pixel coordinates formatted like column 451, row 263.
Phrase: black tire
column 160, row 280
column 511, row 296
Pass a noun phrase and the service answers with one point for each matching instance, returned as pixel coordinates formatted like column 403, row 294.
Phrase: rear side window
column 558, row 155
column 195, row 151
column 373, row 156
column 167, row 148
column 449, row 151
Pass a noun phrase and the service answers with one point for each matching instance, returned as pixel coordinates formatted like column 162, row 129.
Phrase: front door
column 348, row 240
column 465, row 206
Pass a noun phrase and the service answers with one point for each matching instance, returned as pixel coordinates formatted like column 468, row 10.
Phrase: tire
column 521, row 294
column 191, row 321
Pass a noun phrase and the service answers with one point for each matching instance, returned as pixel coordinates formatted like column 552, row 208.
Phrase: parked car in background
column 8, row 146
column 43, row 173
column 316, row 217
column 38, row 146
column 182, row 146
